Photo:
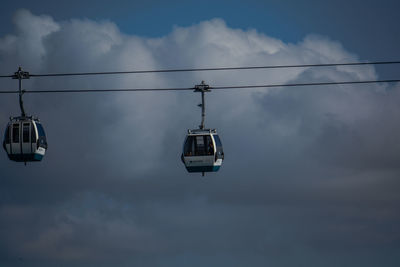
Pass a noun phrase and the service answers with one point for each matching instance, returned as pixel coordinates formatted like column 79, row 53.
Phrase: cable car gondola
column 24, row 138
column 202, row 149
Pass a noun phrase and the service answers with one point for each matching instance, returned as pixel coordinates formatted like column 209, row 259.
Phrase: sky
column 310, row 176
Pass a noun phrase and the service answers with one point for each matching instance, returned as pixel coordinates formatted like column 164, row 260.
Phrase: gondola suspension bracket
column 202, row 88
column 20, row 75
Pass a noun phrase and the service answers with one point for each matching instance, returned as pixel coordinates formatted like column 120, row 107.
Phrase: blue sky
column 369, row 28
column 310, row 176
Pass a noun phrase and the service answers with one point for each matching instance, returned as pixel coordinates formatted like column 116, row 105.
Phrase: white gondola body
column 202, row 151
column 25, row 140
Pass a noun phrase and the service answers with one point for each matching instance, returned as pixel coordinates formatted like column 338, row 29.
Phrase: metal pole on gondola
column 21, row 75
column 202, row 88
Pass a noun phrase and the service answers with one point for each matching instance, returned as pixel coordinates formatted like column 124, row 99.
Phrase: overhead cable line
column 211, row 87
column 208, row 69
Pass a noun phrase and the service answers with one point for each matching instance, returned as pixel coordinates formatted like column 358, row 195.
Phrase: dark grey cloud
column 310, row 176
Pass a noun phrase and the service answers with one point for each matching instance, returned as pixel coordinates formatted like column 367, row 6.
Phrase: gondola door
column 15, row 138
column 26, row 138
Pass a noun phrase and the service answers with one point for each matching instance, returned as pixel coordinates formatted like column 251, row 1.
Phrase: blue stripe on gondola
column 203, row 169
column 38, row 157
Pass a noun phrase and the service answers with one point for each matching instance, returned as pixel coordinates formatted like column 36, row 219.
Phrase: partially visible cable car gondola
column 202, row 149
column 24, row 137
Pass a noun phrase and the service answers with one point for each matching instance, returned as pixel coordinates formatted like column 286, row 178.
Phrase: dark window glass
column 202, row 145
column 217, row 141
column 188, row 149
column 15, row 133
column 7, row 135
column 209, row 145
column 25, row 133
column 220, row 152
column 199, row 145
column 33, row 134
column 40, row 130
column 41, row 136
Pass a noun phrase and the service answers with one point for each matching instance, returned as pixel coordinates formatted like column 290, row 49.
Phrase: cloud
column 308, row 170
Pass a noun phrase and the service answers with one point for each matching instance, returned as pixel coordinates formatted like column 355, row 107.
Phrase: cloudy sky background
column 311, row 175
